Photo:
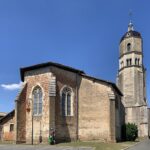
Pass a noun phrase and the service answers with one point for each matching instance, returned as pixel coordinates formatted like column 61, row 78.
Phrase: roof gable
column 38, row 66
column 80, row 72
column 5, row 118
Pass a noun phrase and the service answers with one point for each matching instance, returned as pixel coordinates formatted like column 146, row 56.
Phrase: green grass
column 6, row 142
column 95, row 144
column 99, row 145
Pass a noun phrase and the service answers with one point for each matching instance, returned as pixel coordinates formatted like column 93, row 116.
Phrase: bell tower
column 131, row 80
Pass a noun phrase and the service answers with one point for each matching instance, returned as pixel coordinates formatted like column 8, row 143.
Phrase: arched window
column 66, row 101
column 37, row 101
column 135, row 61
column 129, row 47
column 127, row 62
column 138, row 61
column 130, row 60
column 122, row 65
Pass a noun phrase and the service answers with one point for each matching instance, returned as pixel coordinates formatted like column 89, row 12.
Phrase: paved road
column 40, row 147
column 145, row 145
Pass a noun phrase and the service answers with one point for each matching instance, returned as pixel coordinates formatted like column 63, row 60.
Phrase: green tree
column 130, row 131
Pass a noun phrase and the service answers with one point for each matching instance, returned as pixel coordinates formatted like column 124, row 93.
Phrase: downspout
column 112, row 116
column 77, row 108
column 16, row 121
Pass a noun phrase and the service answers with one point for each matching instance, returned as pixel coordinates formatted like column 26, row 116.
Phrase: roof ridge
column 65, row 67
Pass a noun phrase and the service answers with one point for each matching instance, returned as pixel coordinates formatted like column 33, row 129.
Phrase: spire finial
column 130, row 26
column 130, row 14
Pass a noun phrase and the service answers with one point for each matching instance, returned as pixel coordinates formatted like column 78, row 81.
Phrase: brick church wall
column 40, row 128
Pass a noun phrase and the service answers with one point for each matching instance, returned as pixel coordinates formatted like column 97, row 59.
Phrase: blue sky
column 84, row 34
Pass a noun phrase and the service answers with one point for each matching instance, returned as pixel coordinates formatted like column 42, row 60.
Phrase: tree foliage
column 130, row 132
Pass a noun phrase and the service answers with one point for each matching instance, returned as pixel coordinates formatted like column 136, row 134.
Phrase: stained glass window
column 66, row 101
column 37, row 101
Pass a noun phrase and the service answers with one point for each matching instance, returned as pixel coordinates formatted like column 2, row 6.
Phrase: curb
column 132, row 145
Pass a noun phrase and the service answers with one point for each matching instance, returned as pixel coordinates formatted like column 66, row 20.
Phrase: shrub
column 130, row 132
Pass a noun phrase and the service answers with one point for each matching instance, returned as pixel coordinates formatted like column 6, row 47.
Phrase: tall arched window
column 130, row 60
column 66, row 101
column 135, row 61
column 127, row 62
column 129, row 47
column 37, row 101
column 138, row 61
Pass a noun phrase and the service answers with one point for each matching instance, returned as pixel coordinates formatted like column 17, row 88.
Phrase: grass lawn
column 6, row 142
column 99, row 145
column 95, row 144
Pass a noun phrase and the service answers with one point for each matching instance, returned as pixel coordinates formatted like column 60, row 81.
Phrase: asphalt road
column 40, row 147
column 145, row 145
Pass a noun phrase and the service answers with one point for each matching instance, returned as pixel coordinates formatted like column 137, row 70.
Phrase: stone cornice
column 135, row 52
column 129, row 67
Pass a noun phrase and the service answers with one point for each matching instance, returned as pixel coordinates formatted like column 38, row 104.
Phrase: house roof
column 10, row 114
column 2, row 113
column 23, row 70
column 82, row 73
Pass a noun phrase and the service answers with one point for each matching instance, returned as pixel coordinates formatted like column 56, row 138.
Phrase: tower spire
column 130, row 25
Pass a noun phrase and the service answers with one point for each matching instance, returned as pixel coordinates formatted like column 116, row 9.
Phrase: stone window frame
column 137, row 61
column 128, row 62
column 128, row 47
column 122, row 64
column 69, row 90
column 11, row 127
column 39, row 113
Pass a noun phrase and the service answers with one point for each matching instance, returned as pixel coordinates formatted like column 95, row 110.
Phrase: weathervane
column 130, row 15
column 130, row 26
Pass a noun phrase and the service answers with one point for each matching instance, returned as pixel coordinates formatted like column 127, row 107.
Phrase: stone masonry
column 96, row 104
column 131, row 80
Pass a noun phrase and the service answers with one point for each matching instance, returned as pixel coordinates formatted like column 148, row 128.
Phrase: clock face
column 128, row 34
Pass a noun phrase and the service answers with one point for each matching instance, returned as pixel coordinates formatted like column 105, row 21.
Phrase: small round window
column 128, row 34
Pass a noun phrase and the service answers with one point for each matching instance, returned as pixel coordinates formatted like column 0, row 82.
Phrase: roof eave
column 23, row 70
column 7, row 115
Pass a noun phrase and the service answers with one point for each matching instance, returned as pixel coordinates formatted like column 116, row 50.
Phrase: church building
column 131, row 80
column 77, row 106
